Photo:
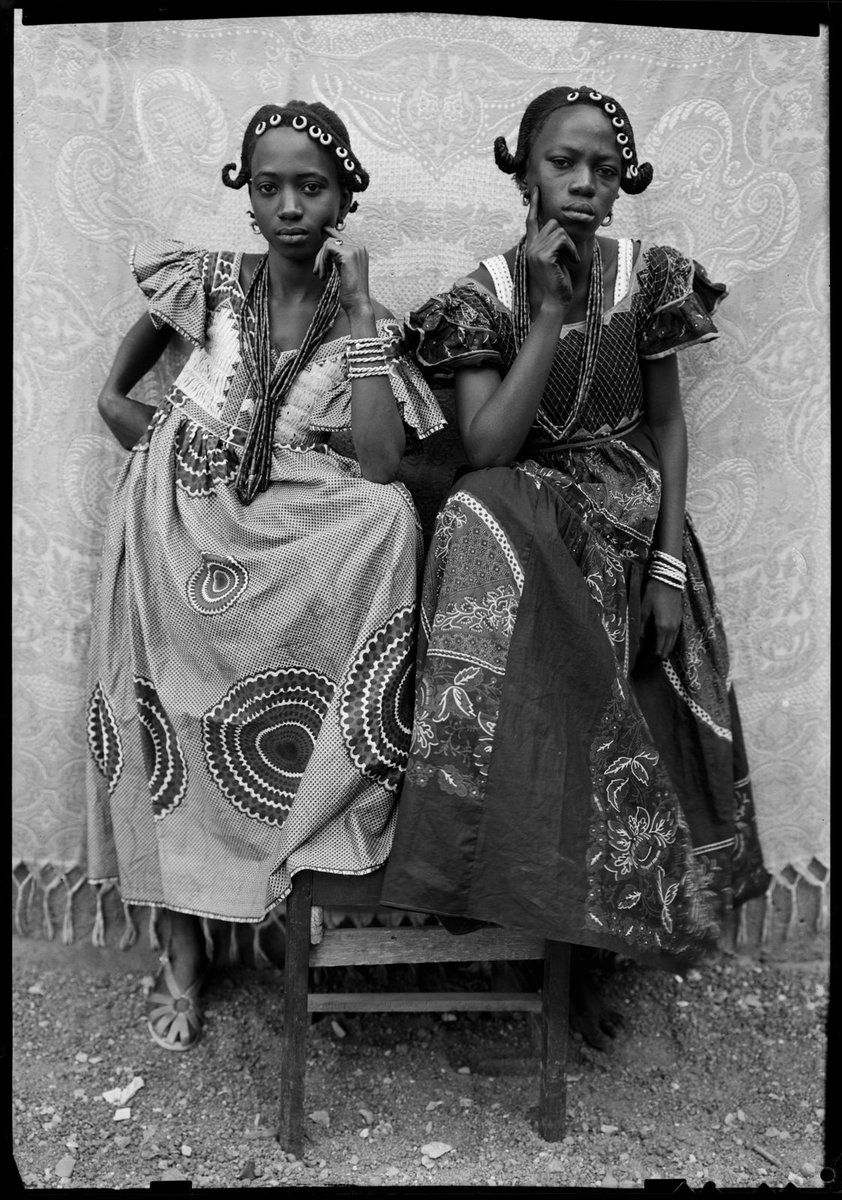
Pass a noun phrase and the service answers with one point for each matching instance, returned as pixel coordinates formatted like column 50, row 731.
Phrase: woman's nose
column 584, row 181
column 289, row 202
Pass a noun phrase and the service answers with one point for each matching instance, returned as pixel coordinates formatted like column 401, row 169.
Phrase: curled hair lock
column 323, row 125
column 635, row 176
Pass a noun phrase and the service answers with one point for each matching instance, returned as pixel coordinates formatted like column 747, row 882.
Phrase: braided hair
column 322, row 124
column 634, row 176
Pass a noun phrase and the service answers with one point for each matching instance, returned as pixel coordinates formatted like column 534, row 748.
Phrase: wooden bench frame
column 308, row 945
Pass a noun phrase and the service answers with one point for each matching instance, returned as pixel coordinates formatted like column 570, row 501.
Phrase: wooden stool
column 309, row 945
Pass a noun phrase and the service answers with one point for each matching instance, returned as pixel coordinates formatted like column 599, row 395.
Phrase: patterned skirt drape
column 250, row 674
column 560, row 780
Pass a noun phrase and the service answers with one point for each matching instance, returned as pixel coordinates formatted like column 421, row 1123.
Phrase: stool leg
column 555, row 1007
column 296, row 1019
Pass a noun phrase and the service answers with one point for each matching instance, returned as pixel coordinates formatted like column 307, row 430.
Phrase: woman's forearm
column 126, row 418
column 138, row 352
column 665, row 417
column 671, row 437
column 376, row 424
column 495, row 427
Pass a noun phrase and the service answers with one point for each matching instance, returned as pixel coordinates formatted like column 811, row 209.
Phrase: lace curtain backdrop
column 120, row 133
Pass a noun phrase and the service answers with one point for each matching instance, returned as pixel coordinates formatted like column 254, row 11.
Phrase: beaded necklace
column 270, row 384
column 555, row 385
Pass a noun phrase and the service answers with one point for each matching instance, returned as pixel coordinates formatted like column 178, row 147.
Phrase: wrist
column 360, row 314
column 551, row 310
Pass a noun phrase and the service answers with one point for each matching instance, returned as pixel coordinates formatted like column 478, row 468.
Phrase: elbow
column 381, row 472
column 105, row 406
column 479, row 458
column 381, row 468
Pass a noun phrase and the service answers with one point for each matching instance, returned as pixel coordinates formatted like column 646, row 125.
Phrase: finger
column 569, row 250
column 532, row 211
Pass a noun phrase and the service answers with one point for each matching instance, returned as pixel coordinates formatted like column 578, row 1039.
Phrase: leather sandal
column 175, row 1017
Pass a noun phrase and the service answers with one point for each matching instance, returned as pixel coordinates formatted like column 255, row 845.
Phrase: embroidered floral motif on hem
column 644, row 884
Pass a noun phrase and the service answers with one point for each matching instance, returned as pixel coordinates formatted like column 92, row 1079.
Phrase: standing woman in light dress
column 577, row 767
column 254, row 623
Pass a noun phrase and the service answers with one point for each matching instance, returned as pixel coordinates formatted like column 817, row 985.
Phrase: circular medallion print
column 103, row 738
column 165, row 765
column 259, row 738
column 377, row 701
column 218, row 583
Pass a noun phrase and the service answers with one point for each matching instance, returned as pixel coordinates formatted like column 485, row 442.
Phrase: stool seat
column 310, row 945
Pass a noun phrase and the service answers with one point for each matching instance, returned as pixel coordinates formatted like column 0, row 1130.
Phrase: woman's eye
column 266, row 189
column 312, row 189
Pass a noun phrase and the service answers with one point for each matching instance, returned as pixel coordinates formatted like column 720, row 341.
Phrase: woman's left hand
column 660, row 617
column 352, row 260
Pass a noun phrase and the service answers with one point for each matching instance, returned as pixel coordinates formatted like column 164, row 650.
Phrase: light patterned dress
column 250, row 667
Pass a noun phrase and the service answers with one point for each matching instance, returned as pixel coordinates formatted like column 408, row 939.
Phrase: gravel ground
column 717, row 1076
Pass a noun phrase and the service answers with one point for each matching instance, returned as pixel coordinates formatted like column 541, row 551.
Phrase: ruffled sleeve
column 457, row 328
column 324, row 390
column 172, row 278
column 418, row 406
column 683, row 300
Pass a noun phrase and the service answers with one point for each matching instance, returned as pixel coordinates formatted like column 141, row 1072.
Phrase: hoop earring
column 524, row 199
column 340, row 225
column 607, row 220
column 254, row 225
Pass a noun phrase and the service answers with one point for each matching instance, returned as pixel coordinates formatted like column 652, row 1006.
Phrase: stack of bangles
column 365, row 356
column 668, row 570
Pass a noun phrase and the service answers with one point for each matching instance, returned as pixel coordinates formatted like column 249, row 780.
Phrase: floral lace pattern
column 644, row 884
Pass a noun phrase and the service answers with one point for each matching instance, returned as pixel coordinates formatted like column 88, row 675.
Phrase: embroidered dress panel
column 560, row 781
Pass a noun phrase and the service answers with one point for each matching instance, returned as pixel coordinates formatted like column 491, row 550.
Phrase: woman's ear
column 346, row 201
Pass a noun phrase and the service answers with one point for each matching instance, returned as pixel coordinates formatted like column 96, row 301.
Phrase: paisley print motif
column 104, row 737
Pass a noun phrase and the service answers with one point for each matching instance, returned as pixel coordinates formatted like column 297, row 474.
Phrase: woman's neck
column 580, row 272
column 293, row 282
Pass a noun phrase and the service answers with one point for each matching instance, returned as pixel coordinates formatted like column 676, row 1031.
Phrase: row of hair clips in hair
column 299, row 122
column 616, row 121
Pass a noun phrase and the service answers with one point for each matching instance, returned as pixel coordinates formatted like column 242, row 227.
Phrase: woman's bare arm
column 138, row 352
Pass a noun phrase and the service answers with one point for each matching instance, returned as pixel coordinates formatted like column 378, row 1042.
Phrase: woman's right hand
column 547, row 246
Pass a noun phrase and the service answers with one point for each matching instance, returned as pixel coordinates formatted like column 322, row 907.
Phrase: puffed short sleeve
column 418, row 406
column 457, row 328
column 173, row 278
column 678, row 308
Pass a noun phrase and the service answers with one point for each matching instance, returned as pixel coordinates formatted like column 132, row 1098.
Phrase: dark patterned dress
column 250, row 696
column 557, row 782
